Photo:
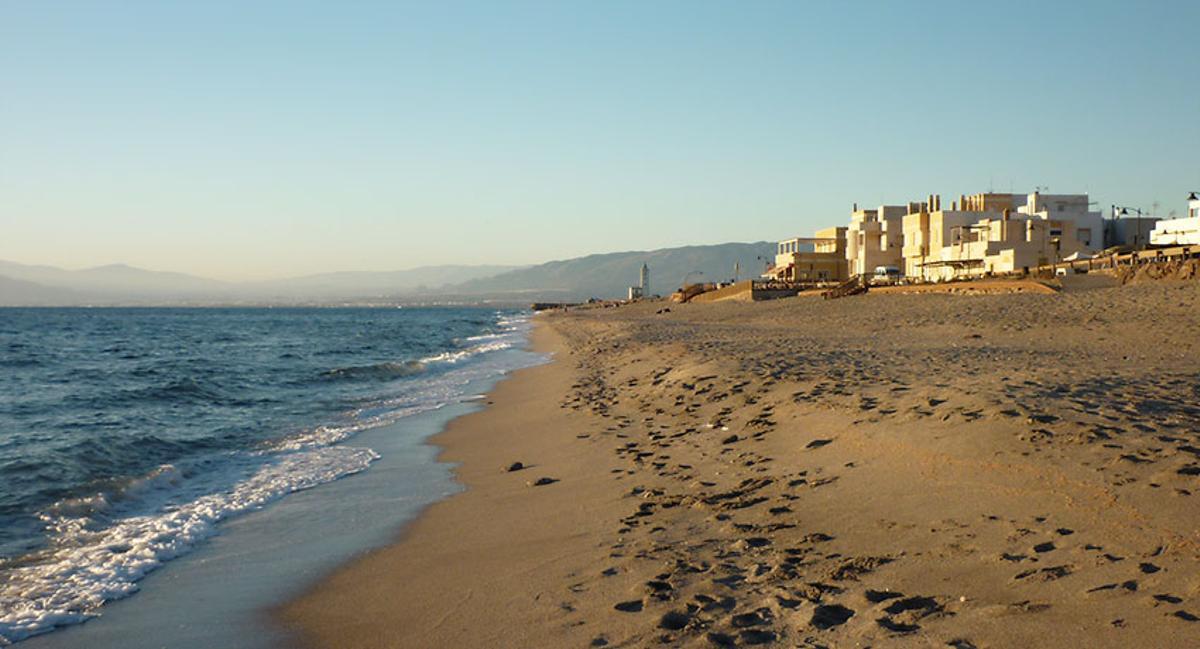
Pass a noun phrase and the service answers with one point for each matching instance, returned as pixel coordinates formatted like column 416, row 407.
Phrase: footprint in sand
column 675, row 620
column 830, row 615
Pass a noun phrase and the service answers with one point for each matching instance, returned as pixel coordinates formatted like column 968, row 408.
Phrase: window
column 1056, row 232
column 1084, row 236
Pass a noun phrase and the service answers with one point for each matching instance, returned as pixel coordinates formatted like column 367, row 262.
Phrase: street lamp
column 1137, row 235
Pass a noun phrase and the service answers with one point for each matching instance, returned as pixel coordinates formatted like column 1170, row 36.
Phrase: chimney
column 855, row 207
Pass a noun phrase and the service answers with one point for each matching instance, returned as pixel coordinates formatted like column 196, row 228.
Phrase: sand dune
column 886, row 470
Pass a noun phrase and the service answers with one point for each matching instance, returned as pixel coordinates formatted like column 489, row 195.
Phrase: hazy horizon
column 336, row 271
column 284, row 139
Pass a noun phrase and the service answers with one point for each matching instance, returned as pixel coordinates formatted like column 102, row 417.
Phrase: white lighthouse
column 645, row 280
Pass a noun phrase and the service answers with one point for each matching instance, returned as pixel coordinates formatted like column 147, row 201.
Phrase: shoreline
column 327, row 613
column 890, row 470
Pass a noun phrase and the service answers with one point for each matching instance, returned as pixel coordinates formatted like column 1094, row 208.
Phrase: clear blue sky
column 263, row 139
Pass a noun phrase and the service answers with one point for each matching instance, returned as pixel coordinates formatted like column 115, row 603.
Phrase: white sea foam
column 463, row 354
column 512, row 333
column 85, row 568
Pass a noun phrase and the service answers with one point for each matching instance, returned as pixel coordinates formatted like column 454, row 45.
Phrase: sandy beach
column 1012, row 470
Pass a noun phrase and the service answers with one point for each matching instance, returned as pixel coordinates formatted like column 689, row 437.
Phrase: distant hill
column 604, row 276
column 118, row 284
column 18, row 292
column 610, row 275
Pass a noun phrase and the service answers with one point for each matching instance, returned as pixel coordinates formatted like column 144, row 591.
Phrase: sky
column 254, row 140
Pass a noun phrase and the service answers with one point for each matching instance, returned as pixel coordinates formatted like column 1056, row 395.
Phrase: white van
column 886, row 275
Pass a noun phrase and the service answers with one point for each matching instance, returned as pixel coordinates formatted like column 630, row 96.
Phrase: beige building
column 821, row 258
column 996, row 233
column 875, row 238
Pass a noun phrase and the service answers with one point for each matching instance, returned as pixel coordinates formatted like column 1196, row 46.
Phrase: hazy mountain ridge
column 114, row 282
column 601, row 275
column 343, row 284
column 119, row 284
column 609, row 275
column 18, row 292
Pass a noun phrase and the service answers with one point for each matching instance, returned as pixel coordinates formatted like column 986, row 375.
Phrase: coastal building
column 821, row 258
column 993, row 233
column 875, row 238
column 928, row 230
column 1129, row 231
column 1179, row 232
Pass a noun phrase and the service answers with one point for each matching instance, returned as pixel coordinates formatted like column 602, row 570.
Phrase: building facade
column 977, row 235
column 993, row 233
column 821, row 258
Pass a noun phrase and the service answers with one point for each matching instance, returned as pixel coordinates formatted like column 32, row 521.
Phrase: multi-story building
column 875, row 238
column 821, row 258
column 996, row 233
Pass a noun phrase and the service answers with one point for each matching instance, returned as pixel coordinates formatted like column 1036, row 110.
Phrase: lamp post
column 1137, row 235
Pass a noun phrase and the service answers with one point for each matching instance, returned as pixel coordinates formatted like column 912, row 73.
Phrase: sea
column 218, row 460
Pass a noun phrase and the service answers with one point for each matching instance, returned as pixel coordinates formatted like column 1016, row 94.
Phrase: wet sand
column 887, row 470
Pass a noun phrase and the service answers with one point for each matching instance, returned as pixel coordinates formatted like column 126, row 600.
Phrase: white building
column 1179, row 232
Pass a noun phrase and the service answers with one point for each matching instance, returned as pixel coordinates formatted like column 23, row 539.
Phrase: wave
column 504, row 339
column 377, row 372
column 85, row 567
column 462, row 354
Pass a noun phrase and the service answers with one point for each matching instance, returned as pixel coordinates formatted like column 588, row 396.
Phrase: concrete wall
column 743, row 291
column 1176, row 232
column 1129, row 231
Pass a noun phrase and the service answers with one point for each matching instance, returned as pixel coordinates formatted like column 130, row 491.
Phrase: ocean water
column 129, row 437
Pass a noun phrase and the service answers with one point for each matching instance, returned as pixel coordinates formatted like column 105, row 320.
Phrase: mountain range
column 602, row 276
